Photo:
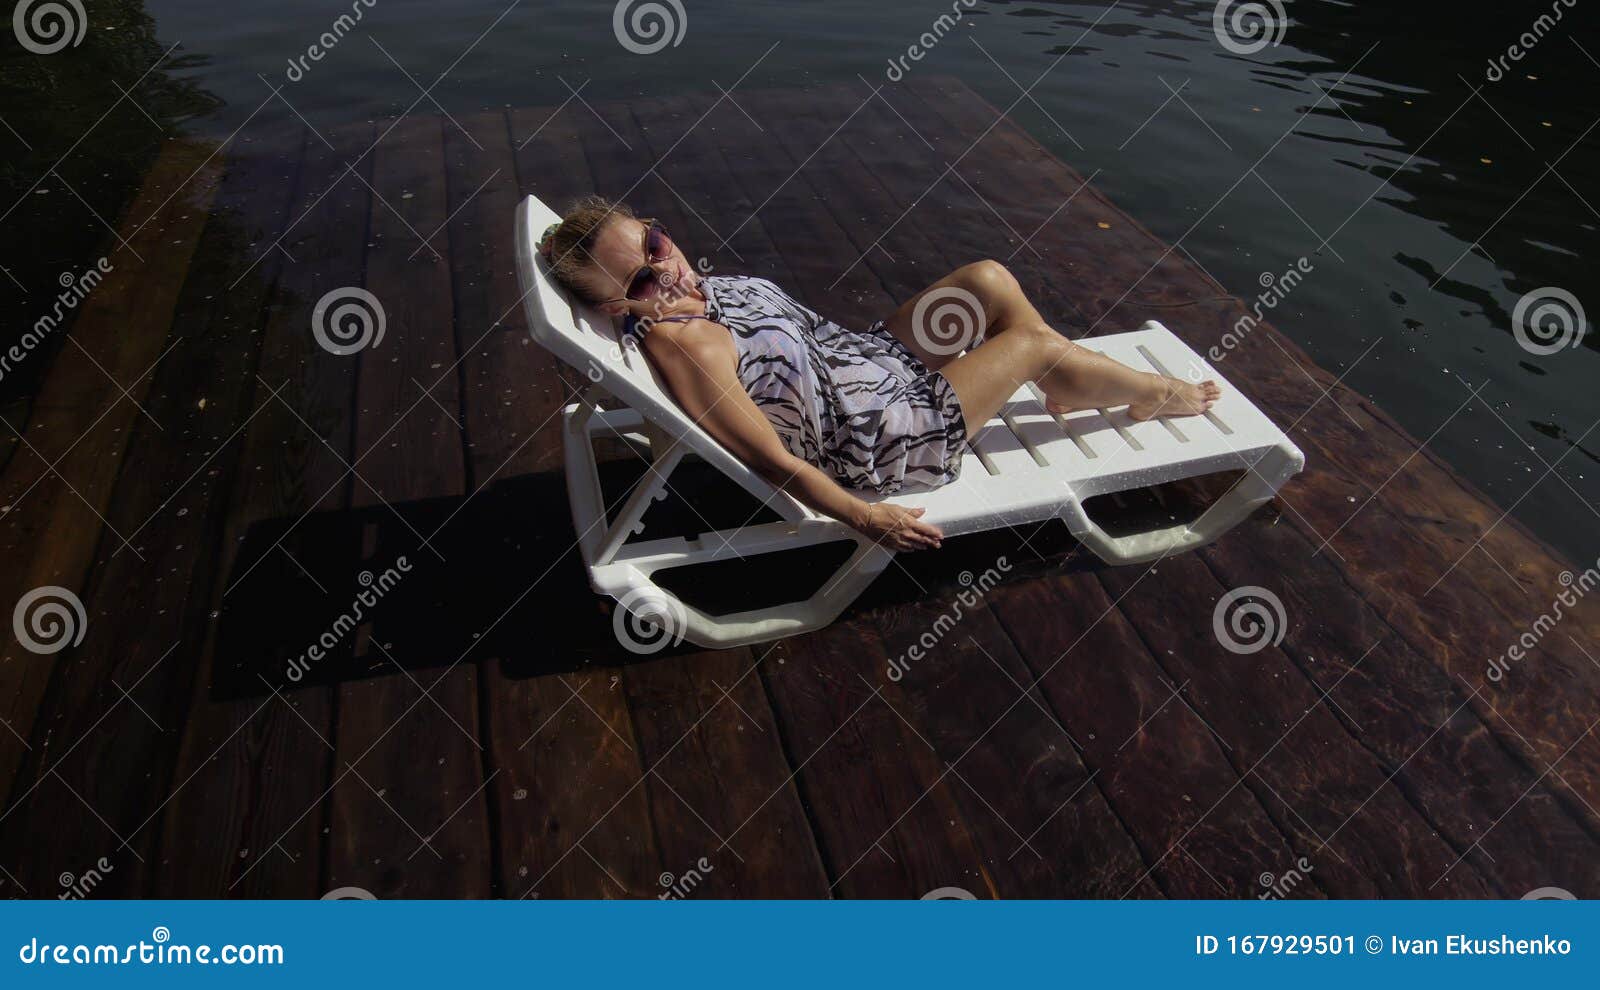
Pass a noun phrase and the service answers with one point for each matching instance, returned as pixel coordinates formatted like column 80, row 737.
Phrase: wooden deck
column 211, row 483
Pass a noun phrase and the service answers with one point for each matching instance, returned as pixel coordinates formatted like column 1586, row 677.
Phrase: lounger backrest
column 587, row 339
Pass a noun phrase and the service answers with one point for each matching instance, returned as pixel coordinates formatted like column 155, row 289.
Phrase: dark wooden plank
column 258, row 767
column 721, row 790
column 409, row 816
column 572, row 786
column 1454, row 622
column 80, row 421
column 101, row 768
column 1293, row 745
column 1397, row 700
column 1168, row 777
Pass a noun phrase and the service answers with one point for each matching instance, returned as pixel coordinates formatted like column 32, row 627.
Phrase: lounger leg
column 673, row 620
column 1260, row 483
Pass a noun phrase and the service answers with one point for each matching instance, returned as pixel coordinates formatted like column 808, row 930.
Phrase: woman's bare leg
column 1018, row 346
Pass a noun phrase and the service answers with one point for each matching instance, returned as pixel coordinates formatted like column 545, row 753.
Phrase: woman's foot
column 1175, row 397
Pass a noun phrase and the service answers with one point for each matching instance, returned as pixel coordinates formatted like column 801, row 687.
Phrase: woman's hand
column 899, row 528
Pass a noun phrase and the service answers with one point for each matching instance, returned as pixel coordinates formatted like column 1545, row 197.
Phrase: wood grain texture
column 1077, row 732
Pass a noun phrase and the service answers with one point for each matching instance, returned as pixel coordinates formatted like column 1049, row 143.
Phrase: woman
column 820, row 410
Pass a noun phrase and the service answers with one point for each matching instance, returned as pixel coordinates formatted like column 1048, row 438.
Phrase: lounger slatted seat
column 1026, row 465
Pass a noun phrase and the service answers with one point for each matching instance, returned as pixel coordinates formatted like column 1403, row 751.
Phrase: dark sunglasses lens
column 643, row 285
column 658, row 243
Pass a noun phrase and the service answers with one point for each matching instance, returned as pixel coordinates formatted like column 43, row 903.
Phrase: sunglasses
column 647, row 282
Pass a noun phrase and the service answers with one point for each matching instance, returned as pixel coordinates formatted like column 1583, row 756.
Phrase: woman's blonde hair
column 569, row 245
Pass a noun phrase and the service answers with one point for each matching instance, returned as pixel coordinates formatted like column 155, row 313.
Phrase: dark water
column 1427, row 194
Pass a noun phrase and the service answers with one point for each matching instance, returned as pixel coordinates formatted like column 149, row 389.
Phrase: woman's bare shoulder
column 697, row 337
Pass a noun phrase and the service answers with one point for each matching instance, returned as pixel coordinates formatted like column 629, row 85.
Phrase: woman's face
column 620, row 252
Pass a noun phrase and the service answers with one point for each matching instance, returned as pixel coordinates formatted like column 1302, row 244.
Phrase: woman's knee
column 988, row 279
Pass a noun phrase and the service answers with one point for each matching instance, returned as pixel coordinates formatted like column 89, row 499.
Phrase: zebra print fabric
column 859, row 405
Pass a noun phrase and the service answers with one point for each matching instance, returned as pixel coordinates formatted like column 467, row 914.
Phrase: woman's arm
column 700, row 365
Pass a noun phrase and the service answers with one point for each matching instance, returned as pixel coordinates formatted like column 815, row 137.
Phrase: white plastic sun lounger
column 1025, row 466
